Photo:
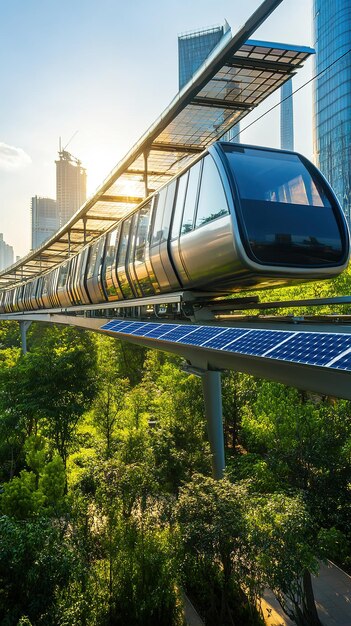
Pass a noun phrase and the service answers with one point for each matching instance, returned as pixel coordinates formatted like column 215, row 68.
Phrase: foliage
column 52, row 482
column 283, row 549
column 305, row 443
column 122, row 430
column 19, row 498
column 35, row 560
column 211, row 520
column 178, row 437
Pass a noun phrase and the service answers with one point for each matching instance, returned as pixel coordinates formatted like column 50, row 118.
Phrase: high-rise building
column 286, row 117
column 45, row 220
column 193, row 49
column 332, row 96
column 6, row 253
column 71, row 186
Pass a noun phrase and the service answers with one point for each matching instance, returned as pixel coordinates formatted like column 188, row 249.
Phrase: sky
column 107, row 69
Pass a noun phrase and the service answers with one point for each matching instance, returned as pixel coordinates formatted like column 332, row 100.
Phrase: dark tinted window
column 286, row 214
column 274, row 177
column 110, row 255
column 45, row 284
column 178, row 210
column 142, row 230
column 190, row 200
column 212, row 201
column 167, row 213
column 92, row 259
column 132, row 234
column 123, row 245
column 157, row 225
column 63, row 271
column 99, row 256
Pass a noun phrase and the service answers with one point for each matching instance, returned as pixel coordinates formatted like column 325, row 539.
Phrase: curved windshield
column 287, row 215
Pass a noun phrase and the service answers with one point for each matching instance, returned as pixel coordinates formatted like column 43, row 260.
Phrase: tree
column 106, row 408
column 237, row 390
column 211, row 520
column 60, row 384
column 140, row 569
column 283, row 548
column 36, row 560
column 305, row 442
column 178, row 437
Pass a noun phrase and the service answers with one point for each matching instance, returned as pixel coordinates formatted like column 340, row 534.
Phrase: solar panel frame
column 315, row 349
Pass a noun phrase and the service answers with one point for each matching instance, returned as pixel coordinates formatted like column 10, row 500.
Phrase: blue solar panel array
column 309, row 348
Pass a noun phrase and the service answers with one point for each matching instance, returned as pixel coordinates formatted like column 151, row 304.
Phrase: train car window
column 157, row 225
column 100, row 256
column 285, row 211
column 178, row 209
column 212, row 201
column 92, row 259
column 167, row 213
column 142, row 231
column 123, row 244
column 278, row 176
column 63, row 271
column 190, row 200
column 45, row 284
column 132, row 234
column 112, row 239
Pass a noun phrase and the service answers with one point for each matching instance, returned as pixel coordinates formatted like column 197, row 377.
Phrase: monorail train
column 240, row 217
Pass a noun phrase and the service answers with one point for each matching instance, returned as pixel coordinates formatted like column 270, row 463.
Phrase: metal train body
column 240, row 217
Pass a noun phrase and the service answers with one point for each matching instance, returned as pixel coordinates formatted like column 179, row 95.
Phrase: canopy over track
column 237, row 76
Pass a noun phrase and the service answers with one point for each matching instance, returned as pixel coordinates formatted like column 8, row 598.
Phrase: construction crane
column 64, row 154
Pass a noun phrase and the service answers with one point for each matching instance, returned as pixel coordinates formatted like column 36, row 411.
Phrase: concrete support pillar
column 212, row 390
column 23, row 328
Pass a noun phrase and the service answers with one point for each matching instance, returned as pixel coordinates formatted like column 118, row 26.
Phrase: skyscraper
column 332, row 96
column 71, row 183
column 6, row 253
column 286, row 117
column 45, row 220
column 193, row 49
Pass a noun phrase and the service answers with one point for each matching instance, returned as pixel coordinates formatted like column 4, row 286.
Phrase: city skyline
column 107, row 96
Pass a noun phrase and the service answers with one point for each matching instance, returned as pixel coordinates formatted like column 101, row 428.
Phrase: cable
column 293, row 93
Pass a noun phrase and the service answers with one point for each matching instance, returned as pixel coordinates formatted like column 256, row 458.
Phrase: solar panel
column 224, row 338
column 112, row 325
column 159, row 329
column 202, row 335
column 332, row 350
column 178, row 332
column 257, row 342
column 343, row 363
column 144, row 329
column 129, row 327
column 312, row 348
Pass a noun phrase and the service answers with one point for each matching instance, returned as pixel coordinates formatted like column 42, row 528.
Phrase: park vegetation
column 108, row 512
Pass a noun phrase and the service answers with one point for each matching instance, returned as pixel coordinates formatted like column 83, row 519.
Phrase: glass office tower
column 193, row 49
column 286, row 117
column 332, row 96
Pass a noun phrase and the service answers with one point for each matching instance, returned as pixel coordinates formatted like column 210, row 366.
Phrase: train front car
column 287, row 223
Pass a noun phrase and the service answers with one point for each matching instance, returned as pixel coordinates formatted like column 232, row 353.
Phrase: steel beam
column 221, row 104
